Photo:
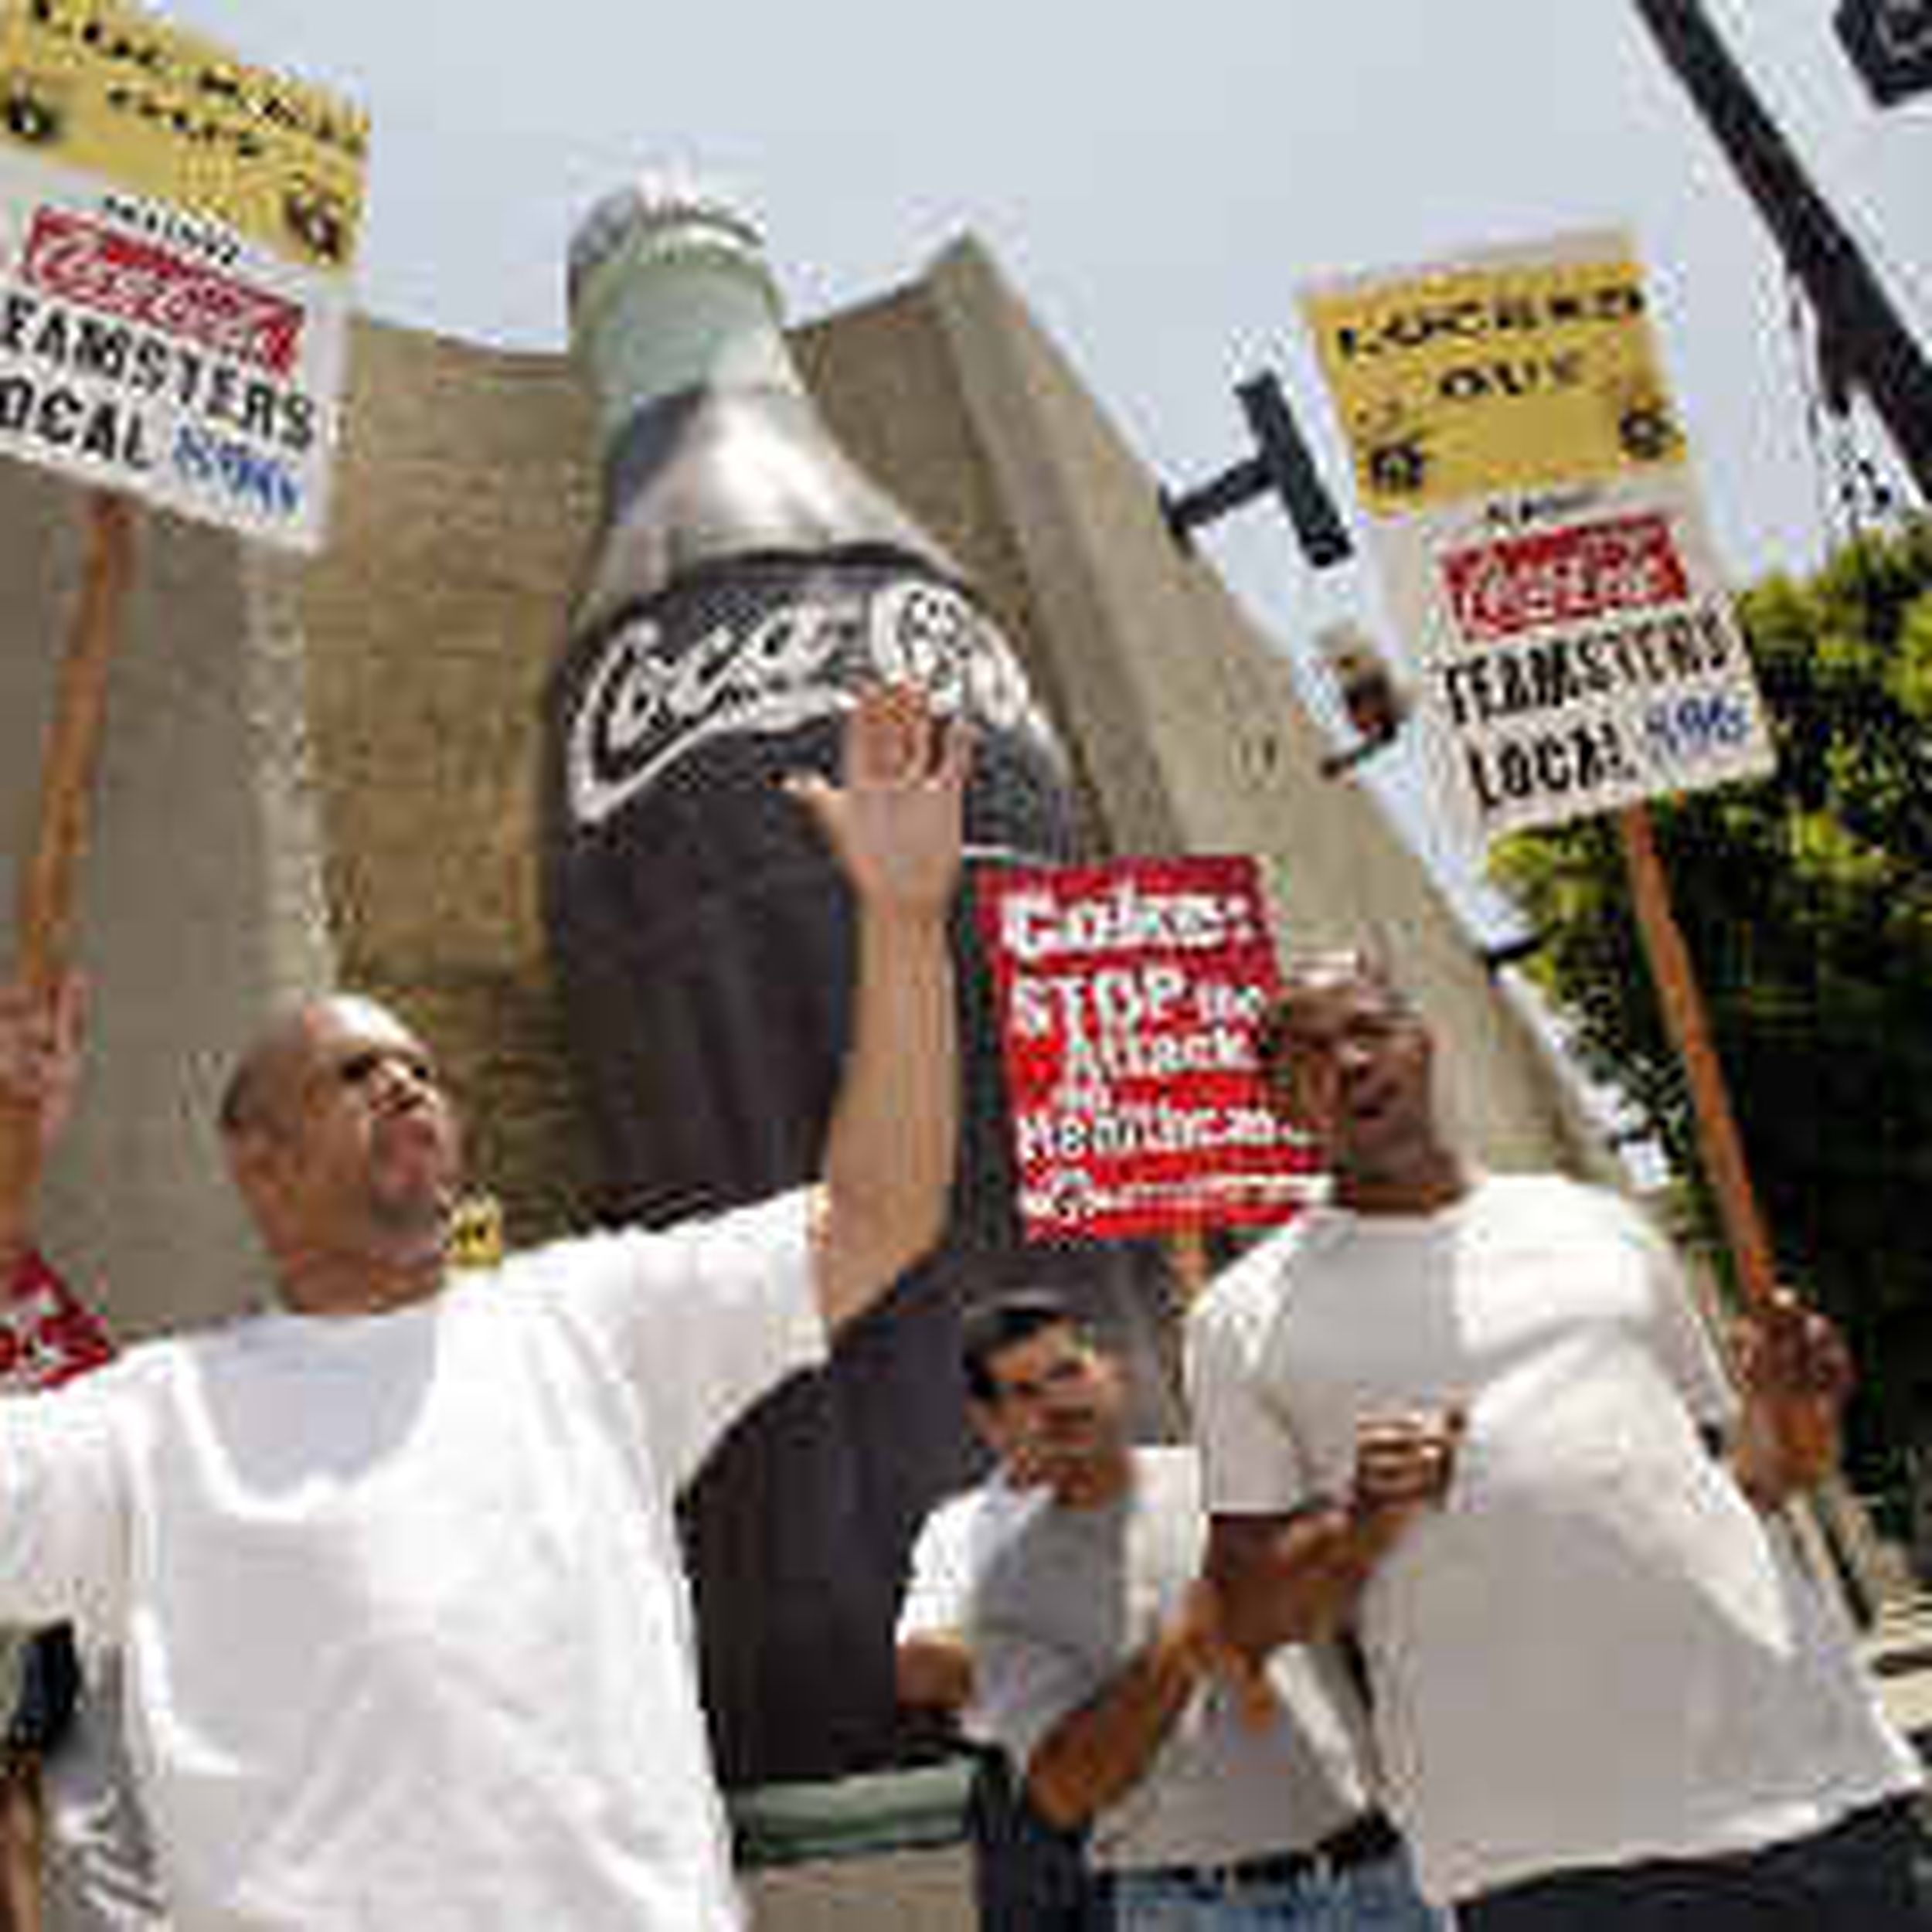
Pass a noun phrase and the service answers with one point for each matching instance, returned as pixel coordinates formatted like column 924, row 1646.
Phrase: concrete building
column 327, row 771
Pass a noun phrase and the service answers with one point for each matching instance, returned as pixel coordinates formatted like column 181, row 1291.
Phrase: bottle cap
column 660, row 215
column 670, row 292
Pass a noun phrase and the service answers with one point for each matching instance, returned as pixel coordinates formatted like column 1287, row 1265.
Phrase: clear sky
column 1157, row 180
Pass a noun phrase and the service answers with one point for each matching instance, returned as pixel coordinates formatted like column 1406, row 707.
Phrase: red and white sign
column 154, row 351
column 48, row 1334
column 1129, row 994
column 111, row 273
column 1565, row 575
column 1578, row 652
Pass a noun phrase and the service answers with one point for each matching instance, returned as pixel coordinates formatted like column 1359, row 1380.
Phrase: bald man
column 393, row 1566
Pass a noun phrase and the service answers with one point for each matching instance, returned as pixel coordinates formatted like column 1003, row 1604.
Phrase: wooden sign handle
column 44, row 904
column 1850, row 1540
column 1717, row 1136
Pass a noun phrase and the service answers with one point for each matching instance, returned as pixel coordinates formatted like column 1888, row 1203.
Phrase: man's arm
column 1095, row 1755
column 932, row 1657
column 22, row 1841
column 894, row 825
column 1290, row 1578
column 39, row 1069
column 1298, row 1575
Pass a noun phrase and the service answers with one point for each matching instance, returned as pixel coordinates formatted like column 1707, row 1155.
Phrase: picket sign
column 1549, row 567
column 1128, row 994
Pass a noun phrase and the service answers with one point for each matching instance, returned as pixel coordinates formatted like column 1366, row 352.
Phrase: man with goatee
column 394, row 1567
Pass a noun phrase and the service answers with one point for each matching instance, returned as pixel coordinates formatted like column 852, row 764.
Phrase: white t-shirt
column 949, row 1555
column 1063, row 1606
column 1596, row 1650
column 407, row 1636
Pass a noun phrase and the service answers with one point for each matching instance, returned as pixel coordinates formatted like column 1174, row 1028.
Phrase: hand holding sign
column 46, row 1334
column 40, row 1050
column 1795, row 1373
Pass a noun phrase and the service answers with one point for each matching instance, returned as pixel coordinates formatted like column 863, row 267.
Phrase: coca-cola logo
column 653, row 699
column 1571, row 576
column 112, row 273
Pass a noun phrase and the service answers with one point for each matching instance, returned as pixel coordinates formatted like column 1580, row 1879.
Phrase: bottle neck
column 713, row 447
column 650, row 329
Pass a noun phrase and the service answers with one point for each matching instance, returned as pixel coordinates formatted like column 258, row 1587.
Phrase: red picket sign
column 1127, row 996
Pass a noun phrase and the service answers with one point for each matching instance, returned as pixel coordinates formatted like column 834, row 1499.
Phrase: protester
column 75, row 1855
column 394, row 1566
column 1028, row 1875
column 1469, row 1411
column 1218, row 1798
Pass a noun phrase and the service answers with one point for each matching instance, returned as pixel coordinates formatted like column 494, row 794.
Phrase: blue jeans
column 1378, row 1894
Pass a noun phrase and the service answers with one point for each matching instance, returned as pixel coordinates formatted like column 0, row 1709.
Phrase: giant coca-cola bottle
column 746, row 579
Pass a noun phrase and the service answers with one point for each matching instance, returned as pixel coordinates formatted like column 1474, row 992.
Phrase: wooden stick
column 1717, row 1136
column 44, row 903
column 1723, row 1155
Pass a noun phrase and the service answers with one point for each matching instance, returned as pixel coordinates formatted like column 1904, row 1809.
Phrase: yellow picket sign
column 101, row 86
column 1494, row 374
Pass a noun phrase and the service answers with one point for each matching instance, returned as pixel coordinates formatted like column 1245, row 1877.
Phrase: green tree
column 1806, row 901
